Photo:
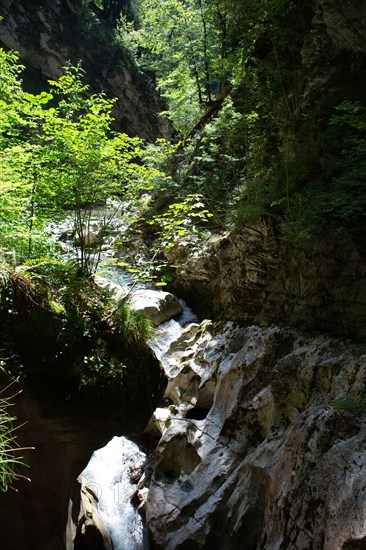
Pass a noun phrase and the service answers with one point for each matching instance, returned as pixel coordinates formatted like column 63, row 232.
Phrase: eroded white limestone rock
column 255, row 454
column 158, row 306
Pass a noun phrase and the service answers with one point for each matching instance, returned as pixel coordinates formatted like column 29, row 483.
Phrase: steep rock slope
column 256, row 277
column 256, row 452
column 48, row 34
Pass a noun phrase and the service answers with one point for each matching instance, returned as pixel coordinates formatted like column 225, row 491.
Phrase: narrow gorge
column 230, row 413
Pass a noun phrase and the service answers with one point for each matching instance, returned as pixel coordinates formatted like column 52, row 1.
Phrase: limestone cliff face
column 254, row 453
column 48, row 34
column 254, row 277
column 342, row 23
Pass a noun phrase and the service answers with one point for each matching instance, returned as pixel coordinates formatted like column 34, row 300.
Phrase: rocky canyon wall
column 255, row 277
column 263, row 444
column 49, row 34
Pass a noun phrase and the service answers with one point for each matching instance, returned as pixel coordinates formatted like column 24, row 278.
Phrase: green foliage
column 69, row 330
column 57, row 151
column 352, row 404
column 178, row 225
column 181, row 219
column 183, row 42
column 10, row 459
column 347, row 201
column 240, row 160
column 334, row 207
column 214, row 160
column 268, row 153
column 132, row 326
column 110, row 356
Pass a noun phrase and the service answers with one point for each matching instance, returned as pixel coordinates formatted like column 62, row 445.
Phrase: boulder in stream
column 157, row 306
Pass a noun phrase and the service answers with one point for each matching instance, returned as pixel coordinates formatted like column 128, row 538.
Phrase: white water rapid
column 108, row 475
column 108, row 471
column 169, row 331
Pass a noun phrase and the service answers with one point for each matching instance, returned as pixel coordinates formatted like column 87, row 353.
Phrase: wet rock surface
column 89, row 530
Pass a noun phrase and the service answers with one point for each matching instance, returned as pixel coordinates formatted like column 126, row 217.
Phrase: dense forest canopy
column 261, row 137
column 255, row 136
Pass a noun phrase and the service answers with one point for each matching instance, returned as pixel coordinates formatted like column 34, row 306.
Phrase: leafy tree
column 110, row 9
column 58, row 152
column 184, row 42
column 19, row 122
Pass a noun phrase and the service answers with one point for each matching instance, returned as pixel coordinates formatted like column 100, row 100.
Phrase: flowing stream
column 108, row 475
column 108, row 471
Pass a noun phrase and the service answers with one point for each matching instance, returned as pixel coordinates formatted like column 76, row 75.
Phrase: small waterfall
column 108, row 471
column 108, row 475
column 169, row 331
